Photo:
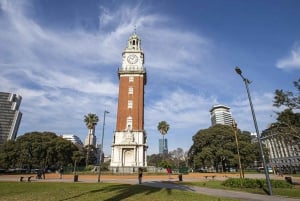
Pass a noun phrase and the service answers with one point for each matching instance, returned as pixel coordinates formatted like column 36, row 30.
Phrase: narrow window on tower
column 130, row 90
column 129, row 123
column 129, row 104
column 131, row 78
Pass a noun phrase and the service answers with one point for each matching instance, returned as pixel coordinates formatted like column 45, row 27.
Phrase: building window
column 131, row 78
column 130, row 104
column 130, row 90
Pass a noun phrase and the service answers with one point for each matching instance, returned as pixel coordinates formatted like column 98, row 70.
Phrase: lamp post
column 234, row 126
column 101, row 148
column 247, row 82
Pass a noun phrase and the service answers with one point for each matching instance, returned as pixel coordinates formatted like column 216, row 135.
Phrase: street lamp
column 247, row 82
column 234, row 127
column 101, row 148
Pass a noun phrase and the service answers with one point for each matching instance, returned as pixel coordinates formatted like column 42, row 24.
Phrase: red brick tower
column 129, row 144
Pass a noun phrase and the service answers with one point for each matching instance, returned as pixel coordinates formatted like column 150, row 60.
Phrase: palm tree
column 163, row 128
column 91, row 121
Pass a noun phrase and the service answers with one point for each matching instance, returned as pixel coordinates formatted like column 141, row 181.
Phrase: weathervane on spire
column 134, row 29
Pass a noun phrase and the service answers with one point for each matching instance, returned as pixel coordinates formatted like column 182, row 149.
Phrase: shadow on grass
column 122, row 191
column 148, row 188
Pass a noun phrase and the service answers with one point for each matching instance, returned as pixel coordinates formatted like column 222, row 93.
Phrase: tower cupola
column 134, row 43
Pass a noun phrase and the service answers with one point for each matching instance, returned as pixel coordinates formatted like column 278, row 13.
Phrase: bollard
column 288, row 179
column 76, row 178
column 180, row 177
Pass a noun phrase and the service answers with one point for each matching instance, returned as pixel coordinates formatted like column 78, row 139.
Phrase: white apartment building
column 220, row 114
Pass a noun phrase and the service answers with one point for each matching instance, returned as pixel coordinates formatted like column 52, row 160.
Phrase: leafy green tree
column 288, row 98
column 90, row 153
column 8, row 155
column 38, row 150
column 154, row 160
column 216, row 147
column 288, row 122
column 159, row 160
column 77, row 157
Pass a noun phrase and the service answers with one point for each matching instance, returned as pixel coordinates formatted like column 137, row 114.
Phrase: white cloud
column 292, row 61
column 64, row 74
column 263, row 109
column 181, row 108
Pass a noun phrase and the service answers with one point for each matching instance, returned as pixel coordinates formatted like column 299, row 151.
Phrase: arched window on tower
column 133, row 42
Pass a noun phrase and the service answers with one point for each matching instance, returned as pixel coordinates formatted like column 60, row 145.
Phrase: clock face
column 132, row 59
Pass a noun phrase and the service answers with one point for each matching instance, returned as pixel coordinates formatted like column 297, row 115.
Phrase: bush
column 254, row 183
column 280, row 184
column 89, row 168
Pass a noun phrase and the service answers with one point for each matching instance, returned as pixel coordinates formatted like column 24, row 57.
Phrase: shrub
column 254, row 183
column 280, row 184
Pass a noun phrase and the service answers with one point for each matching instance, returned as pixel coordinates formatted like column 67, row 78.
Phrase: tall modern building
column 163, row 146
column 130, row 141
column 10, row 116
column 220, row 114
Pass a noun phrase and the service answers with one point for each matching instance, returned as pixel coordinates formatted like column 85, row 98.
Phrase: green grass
column 293, row 192
column 93, row 191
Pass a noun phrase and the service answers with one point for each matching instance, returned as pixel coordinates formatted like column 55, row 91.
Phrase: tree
column 178, row 157
column 215, row 147
column 91, row 121
column 158, row 160
column 8, row 155
column 76, row 157
column 288, row 122
column 288, row 98
column 37, row 150
column 163, row 127
column 154, row 160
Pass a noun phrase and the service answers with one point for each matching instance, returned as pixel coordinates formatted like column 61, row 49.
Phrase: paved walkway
column 219, row 192
column 162, row 181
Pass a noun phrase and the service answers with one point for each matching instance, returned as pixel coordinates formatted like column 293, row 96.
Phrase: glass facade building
column 163, row 146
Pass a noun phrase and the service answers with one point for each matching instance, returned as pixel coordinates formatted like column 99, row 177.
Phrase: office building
column 163, row 146
column 10, row 116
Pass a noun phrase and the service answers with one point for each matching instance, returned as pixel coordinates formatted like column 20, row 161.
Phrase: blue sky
column 62, row 58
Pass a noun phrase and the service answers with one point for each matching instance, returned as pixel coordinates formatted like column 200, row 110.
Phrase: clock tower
column 130, row 141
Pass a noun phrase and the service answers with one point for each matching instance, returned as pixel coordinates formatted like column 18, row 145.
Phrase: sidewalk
column 219, row 192
column 159, row 181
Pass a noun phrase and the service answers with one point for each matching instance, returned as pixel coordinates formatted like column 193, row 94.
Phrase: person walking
column 140, row 175
column 169, row 171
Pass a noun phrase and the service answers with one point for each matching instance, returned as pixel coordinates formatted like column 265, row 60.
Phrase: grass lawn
column 293, row 193
column 93, row 191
